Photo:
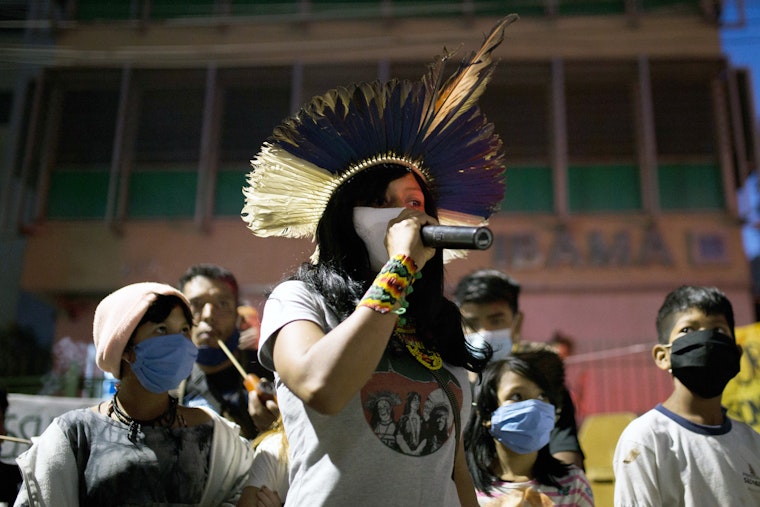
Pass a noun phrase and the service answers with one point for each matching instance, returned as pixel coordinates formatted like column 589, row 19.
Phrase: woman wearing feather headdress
column 362, row 169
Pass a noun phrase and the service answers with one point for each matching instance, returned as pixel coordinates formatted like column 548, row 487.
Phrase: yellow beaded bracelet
column 391, row 286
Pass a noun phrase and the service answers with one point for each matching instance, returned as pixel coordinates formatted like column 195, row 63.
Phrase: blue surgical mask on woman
column 163, row 361
column 524, row 426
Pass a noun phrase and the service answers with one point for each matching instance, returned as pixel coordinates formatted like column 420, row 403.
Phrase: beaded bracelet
column 391, row 286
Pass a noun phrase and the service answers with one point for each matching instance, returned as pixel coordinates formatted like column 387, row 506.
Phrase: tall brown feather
column 463, row 89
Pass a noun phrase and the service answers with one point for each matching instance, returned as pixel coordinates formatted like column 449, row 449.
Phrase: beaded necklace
column 166, row 419
column 407, row 334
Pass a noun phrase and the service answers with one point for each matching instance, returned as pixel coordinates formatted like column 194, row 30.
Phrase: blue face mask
column 162, row 362
column 211, row 356
column 523, row 427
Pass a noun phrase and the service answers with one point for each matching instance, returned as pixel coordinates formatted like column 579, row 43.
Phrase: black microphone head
column 483, row 238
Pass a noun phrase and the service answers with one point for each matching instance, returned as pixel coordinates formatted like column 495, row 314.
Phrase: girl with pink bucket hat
column 141, row 447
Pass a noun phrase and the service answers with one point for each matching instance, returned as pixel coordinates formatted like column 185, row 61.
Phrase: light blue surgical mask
column 163, row 361
column 524, row 426
column 500, row 341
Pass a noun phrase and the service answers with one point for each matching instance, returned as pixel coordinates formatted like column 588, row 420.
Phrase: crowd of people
column 685, row 451
column 385, row 390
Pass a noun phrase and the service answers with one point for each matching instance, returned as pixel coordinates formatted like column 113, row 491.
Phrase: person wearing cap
column 362, row 169
column 141, row 447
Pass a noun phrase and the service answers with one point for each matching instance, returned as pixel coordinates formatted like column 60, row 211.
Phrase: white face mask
column 371, row 224
column 500, row 341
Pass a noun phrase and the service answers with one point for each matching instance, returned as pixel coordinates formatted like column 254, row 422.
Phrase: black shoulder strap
column 453, row 401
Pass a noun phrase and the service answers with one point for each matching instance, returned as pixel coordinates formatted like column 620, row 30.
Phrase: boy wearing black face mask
column 686, row 451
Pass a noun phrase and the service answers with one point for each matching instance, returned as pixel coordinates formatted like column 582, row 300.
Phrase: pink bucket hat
column 117, row 316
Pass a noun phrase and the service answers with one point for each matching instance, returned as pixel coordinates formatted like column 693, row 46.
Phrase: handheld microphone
column 456, row 237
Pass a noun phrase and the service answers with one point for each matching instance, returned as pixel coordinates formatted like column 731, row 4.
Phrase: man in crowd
column 215, row 381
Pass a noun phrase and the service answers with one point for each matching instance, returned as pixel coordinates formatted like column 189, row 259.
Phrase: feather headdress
column 430, row 126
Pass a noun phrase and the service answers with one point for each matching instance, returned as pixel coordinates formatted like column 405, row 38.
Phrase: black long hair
column 343, row 273
column 478, row 442
column 160, row 309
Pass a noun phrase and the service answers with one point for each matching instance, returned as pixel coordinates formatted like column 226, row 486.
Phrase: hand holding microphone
column 263, row 387
column 383, row 231
column 455, row 237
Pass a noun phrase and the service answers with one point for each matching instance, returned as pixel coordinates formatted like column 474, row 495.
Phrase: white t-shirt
column 393, row 443
column 662, row 459
column 270, row 465
column 574, row 491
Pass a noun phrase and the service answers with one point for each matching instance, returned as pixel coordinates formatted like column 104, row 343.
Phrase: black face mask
column 704, row 361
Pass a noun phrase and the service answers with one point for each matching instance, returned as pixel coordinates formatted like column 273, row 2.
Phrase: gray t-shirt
column 163, row 466
column 393, row 444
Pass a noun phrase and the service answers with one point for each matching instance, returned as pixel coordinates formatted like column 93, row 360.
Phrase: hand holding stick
column 264, row 390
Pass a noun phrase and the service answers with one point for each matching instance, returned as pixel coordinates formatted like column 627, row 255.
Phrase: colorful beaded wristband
column 391, row 286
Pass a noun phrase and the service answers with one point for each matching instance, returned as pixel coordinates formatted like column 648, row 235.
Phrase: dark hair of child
column 708, row 300
column 480, row 445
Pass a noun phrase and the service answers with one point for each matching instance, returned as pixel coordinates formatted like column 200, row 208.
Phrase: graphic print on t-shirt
column 407, row 408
